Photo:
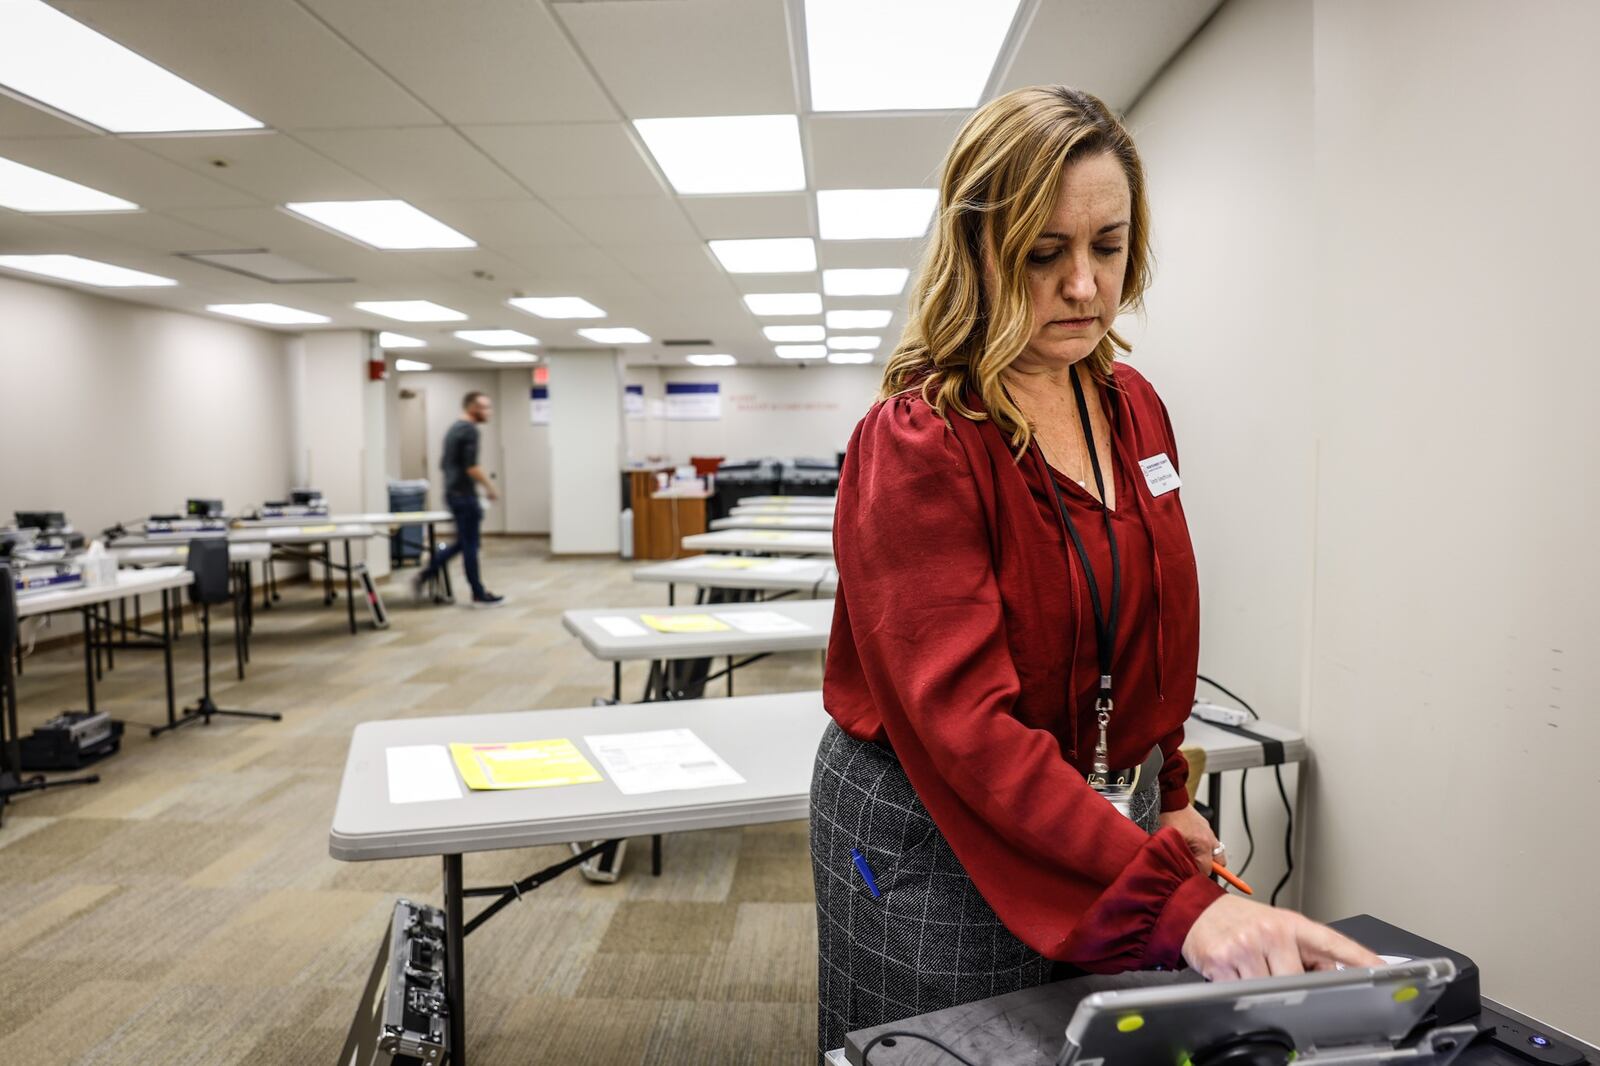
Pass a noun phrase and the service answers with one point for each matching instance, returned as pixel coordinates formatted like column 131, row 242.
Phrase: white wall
column 444, row 390
column 1226, row 140
column 585, row 457
column 110, row 411
column 766, row 411
column 1381, row 372
column 525, row 455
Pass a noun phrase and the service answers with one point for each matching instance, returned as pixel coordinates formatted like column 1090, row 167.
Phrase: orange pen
column 1224, row 873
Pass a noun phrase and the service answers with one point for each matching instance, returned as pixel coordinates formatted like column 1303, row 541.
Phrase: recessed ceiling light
column 87, row 271
column 766, row 255
column 504, row 337
column 389, row 225
column 409, row 366
column 846, row 358
column 711, row 360
column 874, row 214
column 410, row 310
column 801, row 351
column 614, row 335
column 893, row 55
column 794, row 333
column 65, row 65
column 399, row 340
column 557, row 306
column 778, row 304
column 24, row 188
column 272, row 314
column 874, row 281
column 858, row 319
column 854, row 344
column 504, row 356
column 742, row 153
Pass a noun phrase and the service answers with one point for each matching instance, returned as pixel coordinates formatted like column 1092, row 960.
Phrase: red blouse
column 961, row 625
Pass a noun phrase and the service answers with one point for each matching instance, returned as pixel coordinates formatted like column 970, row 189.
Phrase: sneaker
column 488, row 599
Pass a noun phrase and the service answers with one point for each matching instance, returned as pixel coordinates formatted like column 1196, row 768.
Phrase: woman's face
column 1075, row 268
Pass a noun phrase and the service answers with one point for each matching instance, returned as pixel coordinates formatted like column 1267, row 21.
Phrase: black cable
column 1230, row 695
column 887, row 1040
column 1244, row 814
column 1288, row 836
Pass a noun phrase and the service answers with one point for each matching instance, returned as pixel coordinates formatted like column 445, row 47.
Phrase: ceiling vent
column 701, row 343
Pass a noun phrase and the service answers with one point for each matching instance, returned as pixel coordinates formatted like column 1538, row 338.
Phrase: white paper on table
column 763, row 622
column 619, row 626
column 419, row 773
column 663, row 760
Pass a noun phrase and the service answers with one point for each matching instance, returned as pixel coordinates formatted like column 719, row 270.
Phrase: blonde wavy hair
column 997, row 193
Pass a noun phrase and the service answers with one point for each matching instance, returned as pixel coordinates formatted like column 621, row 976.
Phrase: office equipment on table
column 12, row 783
column 302, row 503
column 43, row 551
column 177, row 527
column 208, row 561
column 770, row 741
column 403, row 1017
column 204, row 508
column 1051, row 1024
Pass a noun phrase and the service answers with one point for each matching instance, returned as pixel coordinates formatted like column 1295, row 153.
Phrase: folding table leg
column 455, row 980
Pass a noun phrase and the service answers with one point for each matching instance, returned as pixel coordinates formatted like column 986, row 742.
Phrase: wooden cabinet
column 660, row 522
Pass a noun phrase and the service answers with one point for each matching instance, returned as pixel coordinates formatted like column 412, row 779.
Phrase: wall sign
column 633, row 401
column 539, row 405
column 693, row 401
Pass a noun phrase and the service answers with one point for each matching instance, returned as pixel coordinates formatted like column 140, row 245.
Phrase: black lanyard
column 1105, row 621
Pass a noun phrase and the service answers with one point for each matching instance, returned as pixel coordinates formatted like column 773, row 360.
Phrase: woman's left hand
column 1197, row 834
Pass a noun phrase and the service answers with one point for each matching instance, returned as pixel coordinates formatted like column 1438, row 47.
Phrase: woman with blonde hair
column 1000, row 799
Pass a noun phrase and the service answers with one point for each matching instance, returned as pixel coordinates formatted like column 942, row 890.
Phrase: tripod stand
column 12, row 783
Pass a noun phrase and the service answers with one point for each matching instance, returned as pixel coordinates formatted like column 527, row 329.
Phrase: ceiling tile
column 569, row 161
column 501, row 223
column 1108, row 47
column 272, row 166
column 732, row 217
column 121, row 167
column 631, row 220
column 266, row 227
column 689, row 57
column 880, row 151
column 19, row 119
column 272, row 59
column 870, row 254
column 417, row 162
column 149, row 230
column 474, row 61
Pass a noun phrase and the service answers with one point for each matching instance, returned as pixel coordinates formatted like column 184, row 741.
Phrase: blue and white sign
column 693, row 401
column 539, row 405
column 633, row 401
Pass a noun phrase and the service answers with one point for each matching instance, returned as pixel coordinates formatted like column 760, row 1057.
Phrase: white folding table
column 770, row 741
column 818, row 522
column 383, row 520
column 786, row 501
column 765, row 541
column 785, row 576
column 617, row 635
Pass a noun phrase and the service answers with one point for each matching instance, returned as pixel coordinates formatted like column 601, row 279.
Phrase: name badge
column 1159, row 474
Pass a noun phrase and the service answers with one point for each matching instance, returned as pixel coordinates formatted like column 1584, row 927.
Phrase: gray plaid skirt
column 930, row 941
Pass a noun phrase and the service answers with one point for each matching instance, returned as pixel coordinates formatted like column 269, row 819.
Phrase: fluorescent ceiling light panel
column 858, row 319
column 411, row 366
column 614, row 335
column 873, row 281
column 847, row 358
column 854, row 344
column 410, row 310
column 63, row 64
column 779, row 304
column 504, row 356
column 272, row 314
column 503, row 337
column 794, row 333
column 766, row 255
column 874, row 214
column 801, row 351
column 903, row 55
column 711, row 360
column 741, row 153
column 557, row 307
column 86, row 271
column 23, row 188
column 388, row 225
column 399, row 340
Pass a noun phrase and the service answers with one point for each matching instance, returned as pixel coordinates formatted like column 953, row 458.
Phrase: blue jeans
column 468, row 514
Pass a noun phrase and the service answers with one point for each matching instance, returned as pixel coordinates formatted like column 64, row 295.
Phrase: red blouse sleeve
column 919, row 605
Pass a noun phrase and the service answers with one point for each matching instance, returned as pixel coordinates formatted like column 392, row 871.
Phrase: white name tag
column 1159, row 474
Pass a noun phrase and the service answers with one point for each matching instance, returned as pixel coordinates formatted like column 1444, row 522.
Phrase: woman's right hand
column 1236, row 938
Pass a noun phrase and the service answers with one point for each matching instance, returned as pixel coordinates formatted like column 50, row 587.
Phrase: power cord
column 888, row 1039
column 1283, row 793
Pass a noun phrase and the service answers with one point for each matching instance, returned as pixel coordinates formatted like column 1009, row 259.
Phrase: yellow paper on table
column 524, row 764
column 768, row 520
column 318, row 529
column 732, row 562
column 683, row 623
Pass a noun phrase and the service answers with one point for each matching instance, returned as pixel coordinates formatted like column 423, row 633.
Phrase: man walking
column 462, row 476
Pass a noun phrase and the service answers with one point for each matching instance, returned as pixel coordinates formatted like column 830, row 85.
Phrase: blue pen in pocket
column 866, row 873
